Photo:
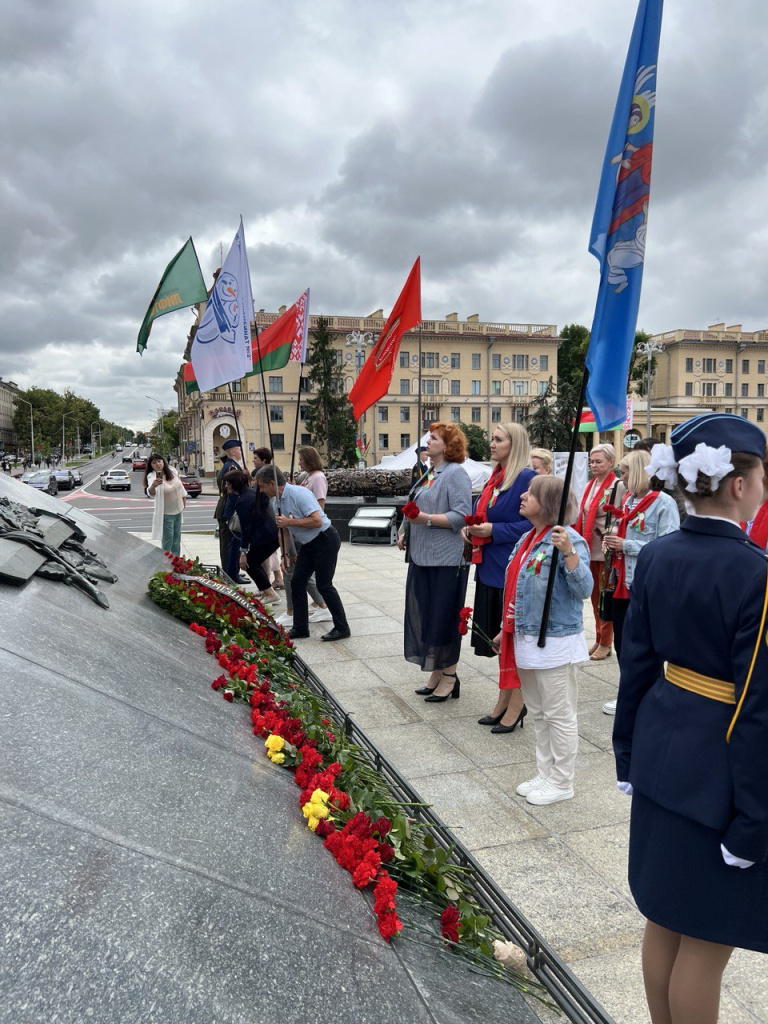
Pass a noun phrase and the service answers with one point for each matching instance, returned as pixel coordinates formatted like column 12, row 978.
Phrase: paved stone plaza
column 564, row 866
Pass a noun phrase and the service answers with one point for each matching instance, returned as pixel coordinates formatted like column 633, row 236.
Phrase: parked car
column 78, row 476
column 115, row 479
column 44, row 480
column 191, row 485
column 139, row 462
column 29, row 473
column 64, row 479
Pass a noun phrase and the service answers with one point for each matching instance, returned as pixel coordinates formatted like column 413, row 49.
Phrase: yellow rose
column 274, row 743
column 276, row 758
column 319, row 796
column 313, row 823
column 308, row 810
column 319, row 810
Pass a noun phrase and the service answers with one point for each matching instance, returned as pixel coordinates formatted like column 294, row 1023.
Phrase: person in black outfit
column 258, row 530
column 231, row 460
column 420, row 468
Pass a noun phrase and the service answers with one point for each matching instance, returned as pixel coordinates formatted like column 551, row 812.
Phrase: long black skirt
column 486, row 618
column 681, row 882
column 434, row 596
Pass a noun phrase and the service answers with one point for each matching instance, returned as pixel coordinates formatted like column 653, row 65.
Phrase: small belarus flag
column 587, row 424
column 284, row 340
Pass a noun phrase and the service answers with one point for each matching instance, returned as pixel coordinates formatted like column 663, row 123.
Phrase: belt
column 705, row 686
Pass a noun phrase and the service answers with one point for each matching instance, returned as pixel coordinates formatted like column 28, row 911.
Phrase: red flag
column 376, row 374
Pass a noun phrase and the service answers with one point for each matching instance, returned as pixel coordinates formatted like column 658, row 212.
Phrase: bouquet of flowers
column 410, row 510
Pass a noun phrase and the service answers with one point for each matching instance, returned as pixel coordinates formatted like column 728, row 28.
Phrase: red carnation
column 325, row 828
column 465, row 614
column 382, row 826
column 410, row 510
column 463, row 628
column 449, row 923
column 228, row 695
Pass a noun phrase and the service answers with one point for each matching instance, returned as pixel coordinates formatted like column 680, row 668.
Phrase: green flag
column 181, row 285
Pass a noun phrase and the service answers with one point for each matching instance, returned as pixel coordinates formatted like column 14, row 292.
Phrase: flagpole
column 269, row 422
column 420, row 429
column 563, row 505
column 296, row 424
column 237, row 425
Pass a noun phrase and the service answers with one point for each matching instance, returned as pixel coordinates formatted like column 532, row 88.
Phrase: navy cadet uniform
column 225, row 534
column 691, row 729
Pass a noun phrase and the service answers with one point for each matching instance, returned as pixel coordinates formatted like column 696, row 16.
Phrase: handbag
column 234, row 524
column 609, row 576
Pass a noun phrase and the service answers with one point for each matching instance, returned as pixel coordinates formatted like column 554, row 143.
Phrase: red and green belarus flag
column 587, row 424
column 273, row 348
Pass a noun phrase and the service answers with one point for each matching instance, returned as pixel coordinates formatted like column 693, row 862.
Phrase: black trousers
column 258, row 553
column 620, row 609
column 319, row 557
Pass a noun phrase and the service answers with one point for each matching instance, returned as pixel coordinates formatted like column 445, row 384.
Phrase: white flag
column 221, row 351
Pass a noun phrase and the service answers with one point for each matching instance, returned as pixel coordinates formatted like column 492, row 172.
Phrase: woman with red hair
column 437, row 572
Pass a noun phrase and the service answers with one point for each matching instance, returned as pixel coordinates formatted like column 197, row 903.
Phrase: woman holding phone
column 162, row 483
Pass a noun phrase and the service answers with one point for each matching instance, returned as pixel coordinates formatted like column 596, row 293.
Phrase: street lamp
column 31, row 424
column 98, row 424
column 160, row 405
column 361, row 339
column 648, row 349
column 63, row 459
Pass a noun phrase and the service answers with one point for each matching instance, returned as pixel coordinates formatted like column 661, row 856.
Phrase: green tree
column 550, row 425
column 478, row 447
column 571, row 355
column 329, row 417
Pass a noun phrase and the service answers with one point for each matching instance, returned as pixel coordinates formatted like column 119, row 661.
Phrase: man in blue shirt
column 318, row 545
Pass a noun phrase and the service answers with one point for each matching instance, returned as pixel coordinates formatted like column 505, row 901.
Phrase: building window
column 745, row 366
column 430, row 360
column 430, row 415
column 543, row 362
column 475, row 360
column 761, row 366
column 383, row 440
column 476, row 413
column 729, row 390
column 405, row 414
column 495, row 387
column 455, row 414
column 761, row 390
column 302, row 413
column 689, row 365
column 455, row 360
column 744, row 413
column 745, row 390
column 276, row 413
column 496, row 415
column 429, row 386
column 476, row 387
column 688, row 389
column 455, row 387
column 728, row 365
column 237, row 386
column 306, row 439
column 339, row 356
column 383, row 414
column 760, row 415
column 275, row 385
column 521, row 362
column 278, row 442
column 496, row 361
column 405, row 360
column 543, row 387
column 304, row 384
column 709, row 365
column 405, row 441
column 519, row 387
column 405, row 387
column 729, row 410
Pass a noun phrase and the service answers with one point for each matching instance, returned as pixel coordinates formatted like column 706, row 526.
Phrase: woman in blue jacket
column 492, row 540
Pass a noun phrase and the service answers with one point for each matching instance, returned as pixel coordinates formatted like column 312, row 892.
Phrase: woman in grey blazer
column 437, row 572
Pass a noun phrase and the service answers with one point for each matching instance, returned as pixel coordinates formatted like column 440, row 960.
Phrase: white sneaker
column 321, row 615
column 285, row 620
column 528, row 787
column 610, row 707
column 548, row 794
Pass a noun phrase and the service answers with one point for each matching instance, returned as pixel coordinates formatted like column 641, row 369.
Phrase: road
column 131, row 510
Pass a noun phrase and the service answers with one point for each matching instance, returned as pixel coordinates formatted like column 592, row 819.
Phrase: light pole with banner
column 648, row 349
column 361, row 340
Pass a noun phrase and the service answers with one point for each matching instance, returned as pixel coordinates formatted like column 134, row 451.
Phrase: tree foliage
column 329, row 417
column 52, row 413
column 478, row 446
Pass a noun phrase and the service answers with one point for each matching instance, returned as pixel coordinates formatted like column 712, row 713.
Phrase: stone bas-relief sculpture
column 35, row 542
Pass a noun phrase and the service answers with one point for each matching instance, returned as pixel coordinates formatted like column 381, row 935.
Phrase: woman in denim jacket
column 547, row 674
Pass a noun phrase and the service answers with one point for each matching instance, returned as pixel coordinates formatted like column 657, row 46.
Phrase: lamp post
column 63, row 453
column 98, row 424
column 361, row 339
column 31, row 424
column 160, row 406
column 648, row 349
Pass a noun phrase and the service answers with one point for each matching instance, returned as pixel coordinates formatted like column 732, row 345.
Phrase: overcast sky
column 354, row 135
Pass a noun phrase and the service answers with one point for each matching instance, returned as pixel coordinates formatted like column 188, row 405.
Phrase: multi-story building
column 8, row 392
column 722, row 369
column 471, row 372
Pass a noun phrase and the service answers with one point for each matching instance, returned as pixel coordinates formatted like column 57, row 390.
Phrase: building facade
column 8, row 392
column 471, row 372
column 720, row 369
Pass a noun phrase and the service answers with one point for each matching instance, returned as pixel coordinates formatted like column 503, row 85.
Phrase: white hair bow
column 712, row 462
column 663, row 464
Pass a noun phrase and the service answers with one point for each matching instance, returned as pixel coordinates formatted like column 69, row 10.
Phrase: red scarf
column 624, row 520
column 508, row 675
column 587, row 529
column 497, row 478
column 759, row 531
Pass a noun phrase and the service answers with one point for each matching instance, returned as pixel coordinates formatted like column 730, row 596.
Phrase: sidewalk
column 564, row 866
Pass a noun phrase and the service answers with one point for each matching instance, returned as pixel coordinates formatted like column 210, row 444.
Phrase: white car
column 115, row 479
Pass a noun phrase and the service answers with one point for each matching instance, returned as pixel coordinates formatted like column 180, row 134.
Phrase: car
column 139, row 462
column 115, row 479
column 191, row 485
column 44, row 480
column 118, row 447
column 64, row 479
column 78, row 476
column 127, row 457
column 25, row 476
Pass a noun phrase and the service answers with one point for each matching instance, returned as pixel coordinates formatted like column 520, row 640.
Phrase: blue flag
column 618, row 231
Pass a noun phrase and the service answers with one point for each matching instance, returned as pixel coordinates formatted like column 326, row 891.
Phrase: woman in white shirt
column 162, row 483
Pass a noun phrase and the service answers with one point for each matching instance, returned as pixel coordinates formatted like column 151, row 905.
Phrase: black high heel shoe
column 491, row 719
column 424, row 690
column 498, row 729
column 454, row 694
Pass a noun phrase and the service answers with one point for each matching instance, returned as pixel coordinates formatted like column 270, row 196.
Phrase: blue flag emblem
column 620, row 223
